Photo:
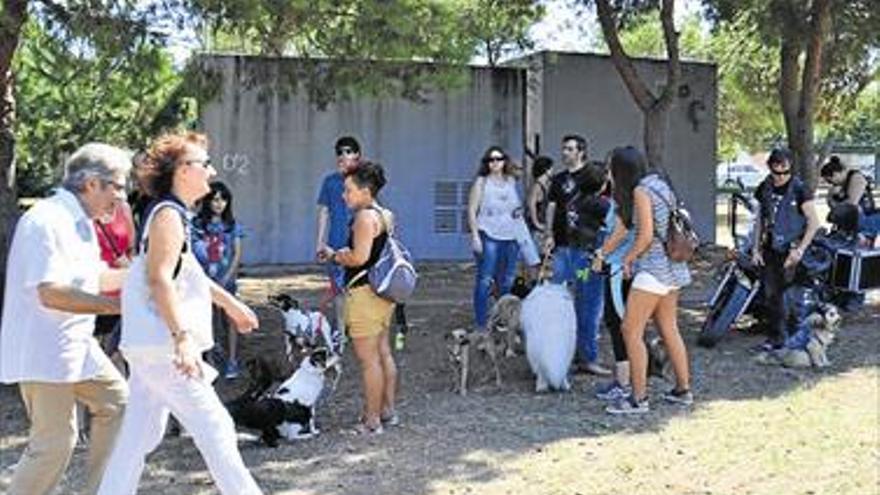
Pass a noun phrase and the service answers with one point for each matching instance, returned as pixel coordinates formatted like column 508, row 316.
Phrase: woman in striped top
column 645, row 199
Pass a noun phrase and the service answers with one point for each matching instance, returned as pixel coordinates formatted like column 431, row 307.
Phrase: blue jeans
column 497, row 264
column 870, row 224
column 572, row 266
column 336, row 274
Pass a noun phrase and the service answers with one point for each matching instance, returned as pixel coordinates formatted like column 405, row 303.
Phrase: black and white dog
column 288, row 410
column 286, row 407
column 306, row 330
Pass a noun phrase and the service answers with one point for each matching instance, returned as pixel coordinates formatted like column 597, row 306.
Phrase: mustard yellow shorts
column 366, row 314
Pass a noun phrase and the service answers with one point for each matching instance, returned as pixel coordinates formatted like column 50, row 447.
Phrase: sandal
column 364, row 429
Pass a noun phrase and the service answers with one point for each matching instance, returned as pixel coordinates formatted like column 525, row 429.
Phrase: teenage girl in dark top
column 542, row 170
column 368, row 316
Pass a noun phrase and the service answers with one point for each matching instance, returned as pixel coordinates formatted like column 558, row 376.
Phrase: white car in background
column 730, row 175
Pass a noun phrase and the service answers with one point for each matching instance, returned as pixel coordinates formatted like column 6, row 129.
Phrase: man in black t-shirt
column 572, row 264
column 784, row 228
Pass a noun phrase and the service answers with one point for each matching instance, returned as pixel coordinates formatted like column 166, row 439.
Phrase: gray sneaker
column 391, row 419
column 680, row 397
column 613, row 391
column 629, row 405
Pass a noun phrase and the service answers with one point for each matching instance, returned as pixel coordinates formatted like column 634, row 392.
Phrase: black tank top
column 866, row 202
column 375, row 251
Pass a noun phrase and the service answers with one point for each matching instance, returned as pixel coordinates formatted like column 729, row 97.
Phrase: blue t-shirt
column 340, row 216
column 615, row 258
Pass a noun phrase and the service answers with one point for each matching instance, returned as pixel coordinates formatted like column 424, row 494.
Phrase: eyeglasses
column 205, row 163
column 117, row 187
column 491, row 159
column 345, row 151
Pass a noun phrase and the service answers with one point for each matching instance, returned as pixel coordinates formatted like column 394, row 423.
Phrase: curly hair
column 509, row 166
column 161, row 160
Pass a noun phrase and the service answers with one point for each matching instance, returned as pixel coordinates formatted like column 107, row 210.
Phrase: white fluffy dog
column 550, row 328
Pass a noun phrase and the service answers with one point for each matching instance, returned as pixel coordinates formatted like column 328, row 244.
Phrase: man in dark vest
column 784, row 229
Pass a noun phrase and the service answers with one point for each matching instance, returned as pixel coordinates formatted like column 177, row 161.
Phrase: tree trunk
column 14, row 17
column 654, row 108
column 654, row 136
column 798, row 95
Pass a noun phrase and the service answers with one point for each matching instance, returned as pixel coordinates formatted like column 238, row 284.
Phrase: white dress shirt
column 54, row 241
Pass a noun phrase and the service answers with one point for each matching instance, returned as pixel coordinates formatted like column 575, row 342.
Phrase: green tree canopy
column 826, row 53
column 69, row 97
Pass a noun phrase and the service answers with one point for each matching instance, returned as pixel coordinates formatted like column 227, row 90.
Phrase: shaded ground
column 754, row 429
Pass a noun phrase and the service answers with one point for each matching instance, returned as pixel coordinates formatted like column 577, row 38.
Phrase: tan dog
column 501, row 339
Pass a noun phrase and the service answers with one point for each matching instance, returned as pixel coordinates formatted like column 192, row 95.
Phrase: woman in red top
column 115, row 238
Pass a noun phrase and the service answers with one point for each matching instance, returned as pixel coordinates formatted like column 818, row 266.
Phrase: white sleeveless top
column 500, row 202
column 144, row 331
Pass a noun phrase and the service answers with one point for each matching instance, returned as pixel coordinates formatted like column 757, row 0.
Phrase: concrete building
column 575, row 92
column 273, row 152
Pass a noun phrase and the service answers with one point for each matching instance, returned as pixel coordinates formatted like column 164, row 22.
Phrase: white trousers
column 156, row 389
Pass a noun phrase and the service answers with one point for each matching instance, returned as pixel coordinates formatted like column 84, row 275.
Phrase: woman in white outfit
column 166, row 314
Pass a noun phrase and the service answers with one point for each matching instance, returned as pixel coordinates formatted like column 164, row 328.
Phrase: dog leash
column 544, row 268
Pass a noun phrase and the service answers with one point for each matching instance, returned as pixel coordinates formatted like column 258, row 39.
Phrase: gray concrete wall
column 273, row 153
column 583, row 93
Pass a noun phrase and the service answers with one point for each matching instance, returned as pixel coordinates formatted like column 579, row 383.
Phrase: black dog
column 258, row 410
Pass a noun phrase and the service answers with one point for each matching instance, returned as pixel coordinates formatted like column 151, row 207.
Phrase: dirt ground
column 754, row 428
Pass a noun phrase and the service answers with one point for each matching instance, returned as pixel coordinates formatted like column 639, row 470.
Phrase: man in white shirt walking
column 53, row 281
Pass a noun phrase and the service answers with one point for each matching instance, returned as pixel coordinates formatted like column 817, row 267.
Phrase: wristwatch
column 178, row 335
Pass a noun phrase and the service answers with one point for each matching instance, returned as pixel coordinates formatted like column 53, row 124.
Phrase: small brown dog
column 500, row 340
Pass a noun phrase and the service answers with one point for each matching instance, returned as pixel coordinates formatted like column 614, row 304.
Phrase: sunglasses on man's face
column 345, row 151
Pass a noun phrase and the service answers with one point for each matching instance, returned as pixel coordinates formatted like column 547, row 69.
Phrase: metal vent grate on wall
column 450, row 207
column 446, row 194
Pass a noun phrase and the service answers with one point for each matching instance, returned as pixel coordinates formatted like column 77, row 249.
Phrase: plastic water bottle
column 399, row 341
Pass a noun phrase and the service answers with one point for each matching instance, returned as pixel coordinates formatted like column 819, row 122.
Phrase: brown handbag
column 681, row 239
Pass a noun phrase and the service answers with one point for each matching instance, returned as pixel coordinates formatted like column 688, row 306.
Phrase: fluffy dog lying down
column 549, row 328
column 288, row 411
column 501, row 339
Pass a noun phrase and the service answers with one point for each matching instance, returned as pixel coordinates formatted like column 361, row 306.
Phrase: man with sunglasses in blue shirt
column 334, row 217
